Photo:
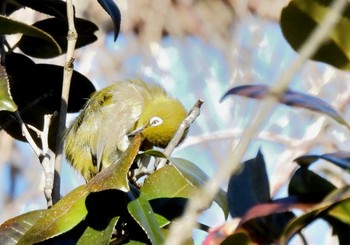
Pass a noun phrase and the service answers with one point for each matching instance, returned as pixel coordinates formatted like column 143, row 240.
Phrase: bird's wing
column 119, row 116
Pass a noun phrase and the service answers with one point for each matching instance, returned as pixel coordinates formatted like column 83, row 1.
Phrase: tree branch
column 192, row 115
column 67, row 75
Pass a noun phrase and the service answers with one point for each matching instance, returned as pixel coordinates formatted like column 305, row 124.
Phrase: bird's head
column 160, row 120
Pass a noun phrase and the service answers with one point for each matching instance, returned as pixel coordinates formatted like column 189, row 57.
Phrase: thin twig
column 67, row 75
column 28, row 136
column 43, row 154
column 192, row 115
column 46, row 161
column 205, row 195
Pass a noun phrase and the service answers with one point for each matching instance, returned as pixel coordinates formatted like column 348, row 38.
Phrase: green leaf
column 167, row 198
column 58, row 29
column 342, row 212
column 115, row 176
column 63, row 216
column 140, row 209
column 289, row 98
column 93, row 236
column 112, row 9
column 300, row 18
column 248, row 188
column 197, row 177
column 105, row 209
column 154, row 153
column 339, row 158
column 6, row 102
column 12, row 230
column 8, row 26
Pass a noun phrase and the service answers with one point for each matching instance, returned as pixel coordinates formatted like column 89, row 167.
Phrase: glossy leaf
column 63, row 216
column 342, row 212
column 140, row 209
column 6, row 101
column 167, row 198
column 112, row 9
column 105, row 209
column 197, row 177
column 12, row 230
column 339, row 158
column 249, row 187
column 115, row 176
column 290, row 98
column 300, row 18
column 58, row 29
column 8, row 26
column 92, row 236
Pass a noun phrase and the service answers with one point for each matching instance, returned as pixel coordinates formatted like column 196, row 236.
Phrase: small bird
column 99, row 135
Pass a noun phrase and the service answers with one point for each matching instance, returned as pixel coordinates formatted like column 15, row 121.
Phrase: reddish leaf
column 290, row 98
column 277, row 206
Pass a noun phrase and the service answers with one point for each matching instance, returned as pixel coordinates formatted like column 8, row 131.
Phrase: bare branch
column 192, row 115
column 67, row 75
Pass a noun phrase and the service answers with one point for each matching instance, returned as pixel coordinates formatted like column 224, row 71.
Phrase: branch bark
column 72, row 37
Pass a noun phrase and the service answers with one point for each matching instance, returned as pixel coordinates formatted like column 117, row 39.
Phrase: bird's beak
column 136, row 131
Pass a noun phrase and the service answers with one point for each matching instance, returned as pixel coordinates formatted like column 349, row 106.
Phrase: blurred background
column 198, row 49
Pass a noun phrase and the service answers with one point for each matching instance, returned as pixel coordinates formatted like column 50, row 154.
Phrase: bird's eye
column 155, row 121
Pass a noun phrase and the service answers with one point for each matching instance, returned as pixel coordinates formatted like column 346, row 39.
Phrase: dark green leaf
column 239, row 238
column 112, row 9
column 63, row 216
column 140, row 209
column 248, row 188
column 58, row 29
column 6, row 101
column 12, row 230
column 290, row 98
column 8, row 26
column 197, row 177
column 299, row 19
column 339, row 158
column 154, row 153
column 42, row 83
column 340, row 229
column 115, row 176
column 36, row 89
column 307, row 183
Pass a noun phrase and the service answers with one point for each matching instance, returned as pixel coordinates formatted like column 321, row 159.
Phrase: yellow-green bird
column 98, row 136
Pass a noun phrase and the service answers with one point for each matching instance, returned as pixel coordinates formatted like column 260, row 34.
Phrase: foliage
column 111, row 207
